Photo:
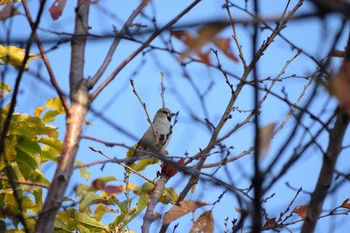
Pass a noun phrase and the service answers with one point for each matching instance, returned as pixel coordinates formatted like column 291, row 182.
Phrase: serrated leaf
column 184, row 208
column 15, row 56
column 205, row 223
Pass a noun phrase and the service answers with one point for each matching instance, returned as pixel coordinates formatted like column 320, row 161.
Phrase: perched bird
column 157, row 136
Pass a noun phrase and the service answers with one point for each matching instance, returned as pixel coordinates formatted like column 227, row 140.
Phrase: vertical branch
column 326, row 174
column 257, row 179
column 74, row 121
column 324, row 181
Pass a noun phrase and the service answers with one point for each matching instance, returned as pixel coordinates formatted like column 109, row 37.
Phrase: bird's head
column 164, row 113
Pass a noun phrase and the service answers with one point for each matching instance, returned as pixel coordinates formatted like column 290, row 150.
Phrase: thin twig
column 142, row 47
column 24, row 182
column 116, row 42
column 163, row 88
column 145, row 108
column 122, row 164
column 46, row 61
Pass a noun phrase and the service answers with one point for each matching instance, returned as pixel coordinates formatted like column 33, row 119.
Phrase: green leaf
column 83, row 171
column 88, row 199
column 141, row 204
column 101, row 210
column 50, row 116
column 52, row 142
column 85, row 220
column 10, row 148
column 28, row 152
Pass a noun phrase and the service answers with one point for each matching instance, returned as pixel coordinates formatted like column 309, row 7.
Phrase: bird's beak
column 171, row 114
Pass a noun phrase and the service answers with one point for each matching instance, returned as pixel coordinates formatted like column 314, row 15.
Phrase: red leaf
column 170, row 169
column 56, row 8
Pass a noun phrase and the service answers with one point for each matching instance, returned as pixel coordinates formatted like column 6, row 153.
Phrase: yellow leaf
column 142, row 164
column 131, row 152
column 205, row 223
column 185, row 207
column 14, row 56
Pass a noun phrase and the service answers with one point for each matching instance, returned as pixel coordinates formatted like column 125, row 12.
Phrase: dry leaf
column 346, row 203
column 341, row 86
column 185, row 207
column 8, row 12
column 205, row 223
column 241, row 211
column 301, row 210
column 204, row 35
column 270, row 223
column 266, row 134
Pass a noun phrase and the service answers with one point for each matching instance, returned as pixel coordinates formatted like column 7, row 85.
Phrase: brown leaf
column 341, row 86
column 346, row 203
column 301, row 210
column 57, row 8
column 209, row 30
column 241, row 211
column 266, row 134
column 205, row 223
column 224, row 45
column 8, row 12
column 270, row 223
column 205, row 35
column 185, row 207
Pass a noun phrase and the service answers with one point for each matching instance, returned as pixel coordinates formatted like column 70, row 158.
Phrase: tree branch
column 74, row 121
column 326, row 174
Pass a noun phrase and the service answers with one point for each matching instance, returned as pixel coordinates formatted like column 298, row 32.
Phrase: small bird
column 157, row 137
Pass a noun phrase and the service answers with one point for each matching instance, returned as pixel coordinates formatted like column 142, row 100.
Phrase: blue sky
column 118, row 104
